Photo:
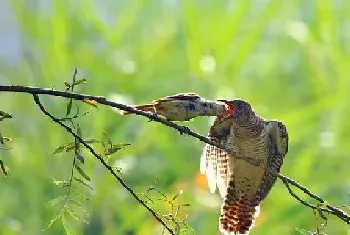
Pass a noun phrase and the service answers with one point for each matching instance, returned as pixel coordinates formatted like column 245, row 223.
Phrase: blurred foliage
column 290, row 59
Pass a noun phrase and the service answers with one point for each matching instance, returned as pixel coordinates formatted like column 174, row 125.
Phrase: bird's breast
column 253, row 148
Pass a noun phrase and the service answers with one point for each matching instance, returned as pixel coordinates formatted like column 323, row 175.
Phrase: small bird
column 246, row 171
column 182, row 107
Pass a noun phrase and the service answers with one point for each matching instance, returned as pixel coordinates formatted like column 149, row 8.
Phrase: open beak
column 230, row 108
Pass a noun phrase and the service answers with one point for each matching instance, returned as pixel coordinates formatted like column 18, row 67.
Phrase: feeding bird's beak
column 230, row 108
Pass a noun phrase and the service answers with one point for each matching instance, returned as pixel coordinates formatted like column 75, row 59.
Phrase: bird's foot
column 153, row 117
column 184, row 130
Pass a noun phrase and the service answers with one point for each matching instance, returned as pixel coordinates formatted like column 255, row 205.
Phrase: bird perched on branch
column 182, row 107
column 246, row 171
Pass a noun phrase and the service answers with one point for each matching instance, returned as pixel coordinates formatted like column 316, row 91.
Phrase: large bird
column 246, row 171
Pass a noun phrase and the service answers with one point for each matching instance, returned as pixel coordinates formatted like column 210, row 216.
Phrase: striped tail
column 237, row 216
column 143, row 107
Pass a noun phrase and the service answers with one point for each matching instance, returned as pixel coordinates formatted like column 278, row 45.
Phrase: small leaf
column 83, row 183
column 80, row 81
column 77, row 142
column 59, row 149
column 66, row 226
column 76, row 202
column 91, row 102
column 67, row 84
column 114, row 148
column 80, row 195
column 64, row 147
column 55, row 201
column 80, row 158
column 82, row 173
column 53, row 220
column 78, row 130
column 303, row 231
column 8, row 139
column 5, row 115
column 92, row 141
column 69, row 107
column 1, row 139
column 177, row 195
column 108, row 139
column 4, row 169
column 70, row 148
column 75, row 215
column 187, row 204
column 61, row 183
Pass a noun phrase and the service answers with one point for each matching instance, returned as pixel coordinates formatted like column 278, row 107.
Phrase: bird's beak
column 230, row 108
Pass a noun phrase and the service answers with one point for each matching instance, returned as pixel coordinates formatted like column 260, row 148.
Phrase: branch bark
column 323, row 207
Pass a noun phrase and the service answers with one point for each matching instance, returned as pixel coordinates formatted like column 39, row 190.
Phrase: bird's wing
column 216, row 163
column 274, row 160
column 180, row 96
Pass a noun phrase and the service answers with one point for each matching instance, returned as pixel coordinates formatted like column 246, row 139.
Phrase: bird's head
column 238, row 109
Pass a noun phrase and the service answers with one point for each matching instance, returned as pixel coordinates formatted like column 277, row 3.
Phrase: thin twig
column 109, row 168
column 328, row 208
column 182, row 129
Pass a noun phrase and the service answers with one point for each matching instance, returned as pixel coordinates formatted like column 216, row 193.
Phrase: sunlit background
column 289, row 59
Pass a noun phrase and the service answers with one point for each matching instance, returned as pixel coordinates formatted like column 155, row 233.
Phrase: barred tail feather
column 143, row 107
column 237, row 217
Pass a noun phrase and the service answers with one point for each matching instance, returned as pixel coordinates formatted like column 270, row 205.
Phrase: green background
column 289, row 59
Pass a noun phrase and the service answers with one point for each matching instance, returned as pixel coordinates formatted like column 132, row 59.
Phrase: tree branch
column 109, row 168
column 182, row 129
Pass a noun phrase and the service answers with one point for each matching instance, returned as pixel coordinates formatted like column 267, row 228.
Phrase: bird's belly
column 179, row 111
column 248, row 176
column 254, row 149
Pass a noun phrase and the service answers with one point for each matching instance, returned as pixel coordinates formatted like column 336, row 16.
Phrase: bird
column 246, row 170
column 182, row 107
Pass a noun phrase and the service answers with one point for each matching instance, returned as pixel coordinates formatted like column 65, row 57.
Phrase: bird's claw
column 184, row 130
column 154, row 116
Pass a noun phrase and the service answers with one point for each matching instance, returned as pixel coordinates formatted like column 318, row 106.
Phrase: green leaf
column 70, row 148
column 80, row 81
column 80, row 195
column 92, row 141
column 303, row 231
column 108, row 139
column 80, row 158
column 71, row 145
column 78, row 130
column 61, row 183
column 1, row 139
column 63, row 147
column 76, row 202
column 59, row 149
column 82, row 173
column 53, row 220
column 177, row 195
column 114, row 148
column 77, row 142
column 5, row 115
column 67, row 84
column 4, row 168
column 75, row 215
column 83, row 183
column 8, row 139
column 55, row 201
column 69, row 107
column 66, row 226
